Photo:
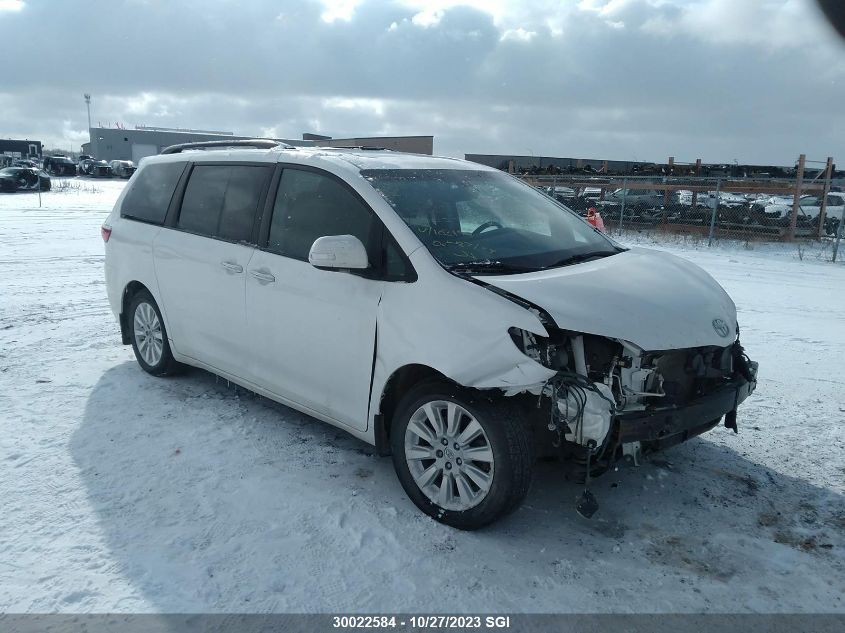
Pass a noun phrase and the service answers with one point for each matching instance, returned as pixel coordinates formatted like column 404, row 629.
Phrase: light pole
column 88, row 106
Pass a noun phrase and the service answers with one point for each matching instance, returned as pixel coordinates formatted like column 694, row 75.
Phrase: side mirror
column 338, row 251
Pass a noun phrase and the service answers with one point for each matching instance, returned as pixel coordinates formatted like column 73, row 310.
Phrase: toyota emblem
column 721, row 328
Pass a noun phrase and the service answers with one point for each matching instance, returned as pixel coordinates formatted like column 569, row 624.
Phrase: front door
column 313, row 331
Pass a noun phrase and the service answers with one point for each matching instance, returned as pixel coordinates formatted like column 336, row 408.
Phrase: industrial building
column 17, row 148
column 521, row 164
column 134, row 144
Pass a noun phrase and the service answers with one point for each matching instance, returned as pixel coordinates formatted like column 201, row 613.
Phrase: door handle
column 232, row 267
column 267, row 278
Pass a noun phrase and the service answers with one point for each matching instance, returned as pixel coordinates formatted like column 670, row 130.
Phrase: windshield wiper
column 486, row 266
column 581, row 257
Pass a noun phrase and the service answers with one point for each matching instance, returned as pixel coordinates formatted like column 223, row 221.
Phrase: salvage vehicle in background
column 636, row 198
column 59, row 166
column 122, row 168
column 809, row 212
column 84, row 166
column 731, row 200
column 99, row 169
column 566, row 195
column 443, row 311
column 14, row 179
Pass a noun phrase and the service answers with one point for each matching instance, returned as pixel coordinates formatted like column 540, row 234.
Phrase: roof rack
column 259, row 143
column 358, row 147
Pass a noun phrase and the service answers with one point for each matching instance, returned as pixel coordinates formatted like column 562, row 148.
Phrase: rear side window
column 222, row 200
column 311, row 205
column 150, row 192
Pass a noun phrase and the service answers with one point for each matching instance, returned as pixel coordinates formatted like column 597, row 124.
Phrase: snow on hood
column 652, row 299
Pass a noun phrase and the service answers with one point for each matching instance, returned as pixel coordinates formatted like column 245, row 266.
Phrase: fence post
column 713, row 215
column 828, row 173
column 796, row 198
column 838, row 236
column 694, row 202
column 39, row 187
column 624, row 195
column 670, row 166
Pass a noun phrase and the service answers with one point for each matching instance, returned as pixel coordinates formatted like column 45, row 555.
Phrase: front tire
column 149, row 336
column 463, row 457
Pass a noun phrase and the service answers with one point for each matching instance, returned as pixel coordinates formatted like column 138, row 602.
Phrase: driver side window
column 311, row 205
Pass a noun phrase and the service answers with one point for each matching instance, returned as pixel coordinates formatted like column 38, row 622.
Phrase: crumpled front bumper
column 671, row 425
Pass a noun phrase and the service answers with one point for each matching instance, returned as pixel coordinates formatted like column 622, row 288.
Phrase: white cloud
column 373, row 106
column 518, row 35
column 11, row 5
column 427, row 18
column 339, row 10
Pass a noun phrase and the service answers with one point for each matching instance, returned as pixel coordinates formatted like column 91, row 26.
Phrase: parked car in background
column 25, row 162
column 561, row 194
column 23, row 179
column 731, row 200
column 591, row 193
column 99, row 169
column 764, row 200
column 59, row 166
column 809, row 210
column 122, row 168
column 84, row 166
column 636, row 198
column 438, row 309
column 685, row 198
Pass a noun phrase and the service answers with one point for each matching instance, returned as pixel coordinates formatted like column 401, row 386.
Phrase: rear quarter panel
column 129, row 257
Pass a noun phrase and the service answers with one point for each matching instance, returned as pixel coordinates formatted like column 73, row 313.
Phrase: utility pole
column 88, row 106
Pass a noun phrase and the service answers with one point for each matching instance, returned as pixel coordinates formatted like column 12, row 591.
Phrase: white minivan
column 443, row 311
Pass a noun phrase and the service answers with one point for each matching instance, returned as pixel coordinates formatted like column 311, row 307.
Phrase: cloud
column 757, row 80
column 518, row 35
column 11, row 5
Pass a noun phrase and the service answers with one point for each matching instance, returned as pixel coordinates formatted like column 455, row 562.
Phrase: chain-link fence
column 708, row 208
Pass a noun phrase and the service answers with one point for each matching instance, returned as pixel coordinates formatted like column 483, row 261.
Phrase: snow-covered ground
column 120, row 492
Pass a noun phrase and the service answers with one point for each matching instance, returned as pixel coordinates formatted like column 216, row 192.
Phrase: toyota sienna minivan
column 445, row 312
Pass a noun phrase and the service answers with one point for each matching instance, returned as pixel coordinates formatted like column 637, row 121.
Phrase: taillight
column 105, row 231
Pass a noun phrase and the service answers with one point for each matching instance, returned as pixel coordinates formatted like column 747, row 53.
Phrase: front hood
column 652, row 299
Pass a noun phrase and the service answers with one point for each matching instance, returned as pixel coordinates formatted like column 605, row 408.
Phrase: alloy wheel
column 449, row 455
column 148, row 335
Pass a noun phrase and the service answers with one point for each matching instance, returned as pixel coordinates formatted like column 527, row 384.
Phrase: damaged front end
column 611, row 400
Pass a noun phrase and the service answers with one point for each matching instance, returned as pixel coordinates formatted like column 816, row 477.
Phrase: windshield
column 487, row 220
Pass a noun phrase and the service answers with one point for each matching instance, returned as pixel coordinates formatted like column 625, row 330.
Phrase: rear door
column 201, row 261
column 313, row 331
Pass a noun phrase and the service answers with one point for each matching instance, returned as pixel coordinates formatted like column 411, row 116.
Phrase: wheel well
column 397, row 386
column 132, row 288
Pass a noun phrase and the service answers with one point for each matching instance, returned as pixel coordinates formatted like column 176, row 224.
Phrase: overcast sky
column 750, row 80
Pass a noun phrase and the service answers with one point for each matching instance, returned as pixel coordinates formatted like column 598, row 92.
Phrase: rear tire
column 149, row 336
column 467, row 458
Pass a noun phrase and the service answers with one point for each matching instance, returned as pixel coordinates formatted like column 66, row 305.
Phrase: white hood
column 652, row 299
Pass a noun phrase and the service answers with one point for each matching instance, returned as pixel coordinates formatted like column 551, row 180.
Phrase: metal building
column 134, row 144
